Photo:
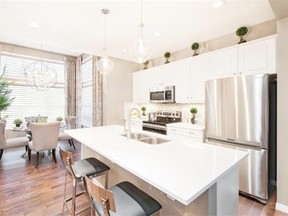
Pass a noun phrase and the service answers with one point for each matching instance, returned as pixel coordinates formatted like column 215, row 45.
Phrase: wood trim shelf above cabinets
column 189, row 75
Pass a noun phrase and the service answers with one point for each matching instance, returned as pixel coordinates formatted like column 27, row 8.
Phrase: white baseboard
column 281, row 207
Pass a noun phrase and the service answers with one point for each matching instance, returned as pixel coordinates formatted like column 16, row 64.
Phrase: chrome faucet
column 129, row 121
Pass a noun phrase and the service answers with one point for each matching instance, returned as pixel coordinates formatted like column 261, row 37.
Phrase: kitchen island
column 186, row 178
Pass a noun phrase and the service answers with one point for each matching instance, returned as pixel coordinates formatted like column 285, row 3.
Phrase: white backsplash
column 184, row 108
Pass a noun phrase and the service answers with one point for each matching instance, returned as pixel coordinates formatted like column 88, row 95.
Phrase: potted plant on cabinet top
column 145, row 65
column 195, row 47
column 241, row 32
column 193, row 111
column 167, row 55
column 18, row 122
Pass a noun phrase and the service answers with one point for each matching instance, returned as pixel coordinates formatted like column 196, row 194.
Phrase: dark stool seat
column 121, row 199
column 90, row 167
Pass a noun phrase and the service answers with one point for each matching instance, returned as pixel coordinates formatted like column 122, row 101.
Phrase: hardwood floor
column 25, row 190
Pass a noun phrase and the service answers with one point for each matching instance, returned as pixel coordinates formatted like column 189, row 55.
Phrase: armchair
column 10, row 142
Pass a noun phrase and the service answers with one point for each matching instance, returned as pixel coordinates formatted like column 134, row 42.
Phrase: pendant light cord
column 105, row 40
column 141, row 19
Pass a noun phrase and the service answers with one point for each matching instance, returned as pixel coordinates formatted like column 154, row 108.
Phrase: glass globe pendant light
column 40, row 74
column 105, row 65
column 141, row 49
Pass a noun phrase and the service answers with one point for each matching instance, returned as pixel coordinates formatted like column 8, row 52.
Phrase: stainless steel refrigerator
column 237, row 113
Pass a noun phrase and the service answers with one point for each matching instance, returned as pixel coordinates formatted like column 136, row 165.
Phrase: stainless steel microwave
column 162, row 94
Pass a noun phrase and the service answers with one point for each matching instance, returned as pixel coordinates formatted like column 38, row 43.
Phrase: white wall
column 255, row 32
column 117, row 89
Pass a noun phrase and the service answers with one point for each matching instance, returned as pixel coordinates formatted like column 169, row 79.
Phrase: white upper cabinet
column 189, row 75
column 199, row 73
column 258, row 57
column 141, row 87
column 179, row 75
column 224, row 63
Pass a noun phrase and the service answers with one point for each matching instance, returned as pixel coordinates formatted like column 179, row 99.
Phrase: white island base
column 220, row 199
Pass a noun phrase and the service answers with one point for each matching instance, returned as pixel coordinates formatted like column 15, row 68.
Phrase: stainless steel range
column 158, row 120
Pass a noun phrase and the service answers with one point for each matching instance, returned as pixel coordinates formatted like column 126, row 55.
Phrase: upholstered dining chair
column 10, row 142
column 70, row 124
column 121, row 199
column 44, row 137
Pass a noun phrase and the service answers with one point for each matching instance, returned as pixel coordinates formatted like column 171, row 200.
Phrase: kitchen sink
column 146, row 138
column 136, row 136
column 153, row 140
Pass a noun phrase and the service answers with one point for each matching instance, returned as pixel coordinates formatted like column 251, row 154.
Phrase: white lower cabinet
column 185, row 132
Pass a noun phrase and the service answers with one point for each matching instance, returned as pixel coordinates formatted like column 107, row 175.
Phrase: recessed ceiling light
column 34, row 25
column 125, row 50
column 218, row 3
column 156, row 34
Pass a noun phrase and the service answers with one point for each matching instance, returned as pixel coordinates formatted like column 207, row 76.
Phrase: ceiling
column 76, row 27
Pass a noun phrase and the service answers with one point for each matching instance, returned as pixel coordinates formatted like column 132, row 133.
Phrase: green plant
column 5, row 99
column 143, row 108
column 18, row 122
column 195, row 46
column 59, row 118
column 167, row 56
column 146, row 64
column 242, row 31
column 193, row 110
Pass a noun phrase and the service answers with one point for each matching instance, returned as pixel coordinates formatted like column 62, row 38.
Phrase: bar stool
column 90, row 167
column 121, row 199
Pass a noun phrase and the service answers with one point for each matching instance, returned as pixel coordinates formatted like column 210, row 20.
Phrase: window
column 28, row 100
column 86, row 75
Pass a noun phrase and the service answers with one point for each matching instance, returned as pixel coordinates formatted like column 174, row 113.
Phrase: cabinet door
column 179, row 75
column 199, row 73
column 174, row 73
column 140, row 87
column 224, row 63
column 258, row 57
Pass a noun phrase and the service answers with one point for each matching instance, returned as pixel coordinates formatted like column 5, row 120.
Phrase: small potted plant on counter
column 167, row 55
column 193, row 111
column 18, row 122
column 143, row 108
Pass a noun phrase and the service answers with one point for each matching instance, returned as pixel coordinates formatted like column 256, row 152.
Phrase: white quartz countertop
column 181, row 170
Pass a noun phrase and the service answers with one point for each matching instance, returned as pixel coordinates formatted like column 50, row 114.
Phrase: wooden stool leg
column 65, row 190
column 74, row 197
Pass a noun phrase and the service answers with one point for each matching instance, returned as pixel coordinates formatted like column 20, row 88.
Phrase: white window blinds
column 28, row 100
column 86, row 75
